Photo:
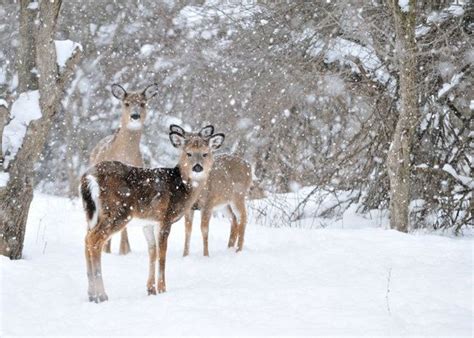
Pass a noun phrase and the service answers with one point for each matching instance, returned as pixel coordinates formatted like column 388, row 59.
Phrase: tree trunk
column 16, row 197
column 26, row 60
column 399, row 160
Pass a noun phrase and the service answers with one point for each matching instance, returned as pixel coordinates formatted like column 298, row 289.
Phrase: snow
column 3, row 103
column 447, row 86
column 453, row 10
column 404, row 5
column 33, row 5
column 287, row 281
column 147, row 49
column 24, row 110
column 64, row 50
column 345, row 51
column 333, row 86
column 421, row 31
column 162, row 63
column 4, row 177
column 234, row 11
column 467, row 181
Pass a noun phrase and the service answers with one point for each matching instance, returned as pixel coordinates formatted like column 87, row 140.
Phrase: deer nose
column 197, row 168
column 135, row 116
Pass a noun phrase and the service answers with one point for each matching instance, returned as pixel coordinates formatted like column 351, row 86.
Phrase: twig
column 388, row 291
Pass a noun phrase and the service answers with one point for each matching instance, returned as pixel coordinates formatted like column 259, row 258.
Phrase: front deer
column 227, row 186
column 124, row 144
column 113, row 193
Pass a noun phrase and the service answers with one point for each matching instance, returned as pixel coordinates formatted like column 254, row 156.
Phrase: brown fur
column 160, row 195
column 227, row 185
column 124, row 145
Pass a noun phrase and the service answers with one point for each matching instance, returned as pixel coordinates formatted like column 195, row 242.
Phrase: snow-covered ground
column 332, row 281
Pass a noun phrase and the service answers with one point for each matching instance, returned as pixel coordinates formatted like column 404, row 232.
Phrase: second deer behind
column 227, row 187
column 124, row 144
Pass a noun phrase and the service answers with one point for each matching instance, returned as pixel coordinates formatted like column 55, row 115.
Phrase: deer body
column 113, row 193
column 227, row 186
column 124, row 144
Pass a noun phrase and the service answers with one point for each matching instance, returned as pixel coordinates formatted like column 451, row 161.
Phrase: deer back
column 229, row 178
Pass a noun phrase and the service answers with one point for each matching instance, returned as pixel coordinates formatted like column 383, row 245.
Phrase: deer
column 124, row 144
column 113, row 193
column 227, row 186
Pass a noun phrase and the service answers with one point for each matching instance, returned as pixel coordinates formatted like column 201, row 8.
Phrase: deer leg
column 233, row 228
column 95, row 240
column 150, row 238
column 107, row 246
column 188, row 224
column 241, row 214
column 90, row 276
column 162, row 247
column 124, row 243
column 205, row 218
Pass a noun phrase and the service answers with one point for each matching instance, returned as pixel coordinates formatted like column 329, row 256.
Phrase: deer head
column 196, row 158
column 134, row 105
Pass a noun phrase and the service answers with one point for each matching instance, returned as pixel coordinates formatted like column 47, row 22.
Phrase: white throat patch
column 134, row 125
column 197, row 177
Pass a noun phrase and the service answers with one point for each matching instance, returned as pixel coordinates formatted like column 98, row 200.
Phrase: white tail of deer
column 124, row 144
column 227, row 186
column 113, row 193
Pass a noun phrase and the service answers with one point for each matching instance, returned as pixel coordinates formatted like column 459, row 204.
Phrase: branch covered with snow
column 404, row 5
column 464, row 180
column 24, row 110
column 65, row 49
column 448, row 86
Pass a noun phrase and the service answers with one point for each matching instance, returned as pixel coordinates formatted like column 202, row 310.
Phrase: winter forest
column 335, row 137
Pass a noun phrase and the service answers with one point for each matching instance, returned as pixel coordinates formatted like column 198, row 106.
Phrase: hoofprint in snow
column 333, row 281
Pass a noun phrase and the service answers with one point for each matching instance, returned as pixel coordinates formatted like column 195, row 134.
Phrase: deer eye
column 142, row 105
column 205, row 155
column 127, row 104
column 189, row 154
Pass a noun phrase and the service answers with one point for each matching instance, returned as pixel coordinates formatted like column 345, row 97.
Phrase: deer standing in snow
column 124, row 144
column 227, row 186
column 113, row 193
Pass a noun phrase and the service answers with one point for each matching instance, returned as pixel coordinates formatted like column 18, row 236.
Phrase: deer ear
column 118, row 91
column 150, row 91
column 177, row 140
column 215, row 141
column 206, row 132
column 177, row 129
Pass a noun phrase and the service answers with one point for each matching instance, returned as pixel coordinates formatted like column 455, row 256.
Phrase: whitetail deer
column 113, row 193
column 227, row 186
column 124, row 144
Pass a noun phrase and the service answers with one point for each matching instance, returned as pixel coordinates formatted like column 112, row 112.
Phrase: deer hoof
column 161, row 288
column 98, row 298
column 151, row 291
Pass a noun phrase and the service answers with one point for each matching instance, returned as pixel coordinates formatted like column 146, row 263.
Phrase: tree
column 36, row 55
column 399, row 160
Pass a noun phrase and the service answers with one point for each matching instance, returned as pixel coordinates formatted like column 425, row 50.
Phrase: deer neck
column 193, row 187
column 128, row 139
